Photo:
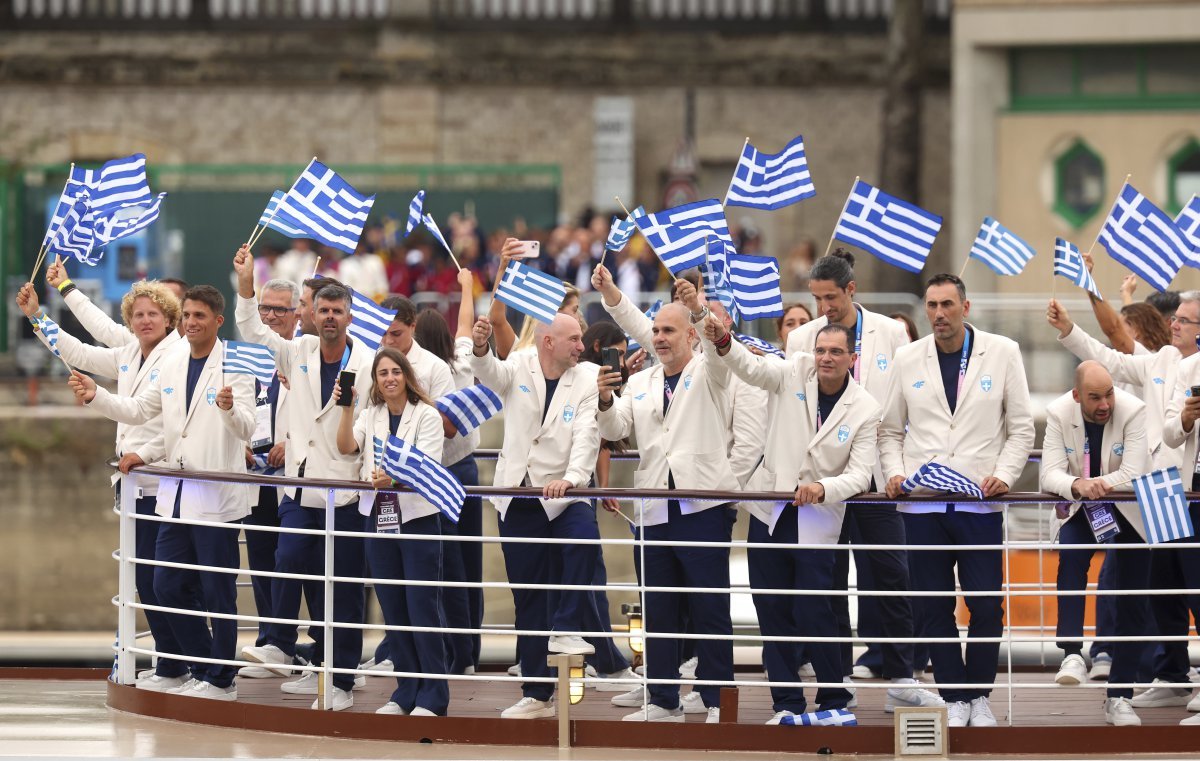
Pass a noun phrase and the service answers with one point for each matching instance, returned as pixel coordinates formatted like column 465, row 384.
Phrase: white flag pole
column 1110, row 211
column 627, row 215
column 725, row 200
column 833, row 234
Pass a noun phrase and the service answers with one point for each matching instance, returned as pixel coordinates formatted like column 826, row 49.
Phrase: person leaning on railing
column 1095, row 444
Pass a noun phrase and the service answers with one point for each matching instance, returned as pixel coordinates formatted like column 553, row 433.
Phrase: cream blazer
column 421, row 426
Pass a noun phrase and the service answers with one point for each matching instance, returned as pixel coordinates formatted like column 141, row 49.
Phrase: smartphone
column 1195, row 391
column 346, row 384
column 529, row 250
column 611, row 358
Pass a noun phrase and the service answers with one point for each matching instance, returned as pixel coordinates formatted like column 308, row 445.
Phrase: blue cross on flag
column 1164, row 506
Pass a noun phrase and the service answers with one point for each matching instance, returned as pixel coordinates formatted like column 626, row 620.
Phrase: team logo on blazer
column 639, row 397
column 985, row 383
column 1070, row 450
column 169, row 390
column 568, row 413
column 304, row 369
column 524, row 388
column 919, row 384
column 1158, row 381
column 843, row 434
column 800, row 395
column 154, row 374
column 211, row 395
column 687, row 383
column 1119, row 448
column 124, row 368
column 881, row 363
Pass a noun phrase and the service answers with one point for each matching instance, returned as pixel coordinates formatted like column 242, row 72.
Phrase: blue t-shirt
column 329, row 376
column 551, row 387
column 826, row 402
column 669, row 383
column 949, row 362
column 195, row 367
column 1095, row 439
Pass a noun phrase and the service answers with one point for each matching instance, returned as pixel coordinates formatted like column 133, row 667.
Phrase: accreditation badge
column 387, row 514
column 262, row 423
column 1101, row 520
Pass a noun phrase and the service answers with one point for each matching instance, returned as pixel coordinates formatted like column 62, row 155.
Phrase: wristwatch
column 699, row 316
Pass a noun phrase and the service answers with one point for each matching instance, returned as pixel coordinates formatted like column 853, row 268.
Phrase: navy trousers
column 532, row 563
column 305, row 553
column 260, row 552
column 463, row 562
column 667, row 566
column 796, row 616
column 607, row 659
column 418, row 652
column 981, row 574
column 1175, row 568
column 145, row 535
column 201, row 591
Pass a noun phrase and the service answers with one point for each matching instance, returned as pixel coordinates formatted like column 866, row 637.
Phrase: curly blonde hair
column 161, row 295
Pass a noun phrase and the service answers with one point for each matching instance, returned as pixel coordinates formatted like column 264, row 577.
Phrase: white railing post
column 126, row 667
column 325, row 690
column 1007, row 618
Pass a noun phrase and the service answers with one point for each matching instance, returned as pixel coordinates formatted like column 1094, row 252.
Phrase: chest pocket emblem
column 843, row 434
column 687, row 383
column 985, row 383
column 881, row 363
column 124, row 368
column 568, row 413
column 154, row 374
column 304, row 369
column 800, row 395
column 211, row 395
column 1119, row 448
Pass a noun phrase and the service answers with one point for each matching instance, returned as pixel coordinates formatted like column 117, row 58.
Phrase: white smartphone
column 529, row 250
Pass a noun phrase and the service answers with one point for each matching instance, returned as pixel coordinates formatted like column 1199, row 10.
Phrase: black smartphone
column 346, row 384
column 1195, row 391
column 611, row 358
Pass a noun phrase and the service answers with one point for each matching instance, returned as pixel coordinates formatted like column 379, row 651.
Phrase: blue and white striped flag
column 896, row 231
column 468, row 408
column 1141, row 236
column 260, row 464
column 622, row 230
column 1000, row 249
column 771, row 180
column 127, row 220
column 50, row 330
column 1164, row 506
column 327, row 207
column 757, row 343
column 67, row 199
column 838, row 717
column 531, row 291
column 369, row 321
column 754, row 281
column 436, row 232
column 74, row 236
column 652, row 312
column 424, row 475
column 937, row 477
column 251, row 359
column 278, row 220
column 416, row 211
column 378, row 452
column 715, row 272
column 1189, row 221
column 120, row 182
column 678, row 235
column 1068, row 262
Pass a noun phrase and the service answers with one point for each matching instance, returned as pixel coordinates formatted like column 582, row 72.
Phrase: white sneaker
column 691, row 703
column 156, row 683
column 570, row 645
column 1072, row 670
column 632, row 699
column 189, row 684
column 256, row 672
column 145, row 674
column 714, row 716
column 981, row 714
column 687, row 669
column 655, row 713
column 390, row 708
column 864, row 672
column 806, row 671
column 211, row 691
column 305, row 685
column 529, row 708
column 616, row 686
column 958, row 714
column 341, row 700
column 778, row 717
column 1191, row 721
column 1119, row 713
column 1161, row 697
column 269, row 655
column 419, row 711
column 853, row 693
column 468, row 671
column 1194, row 704
column 514, row 670
column 360, row 680
column 384, row 665
column 905, row 695
column 1101, row 666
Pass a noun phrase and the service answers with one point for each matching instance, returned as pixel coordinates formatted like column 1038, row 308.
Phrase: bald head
column 559, row 344
column 1094, row 392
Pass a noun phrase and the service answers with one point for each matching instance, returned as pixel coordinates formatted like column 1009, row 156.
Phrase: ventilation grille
column 921, row 732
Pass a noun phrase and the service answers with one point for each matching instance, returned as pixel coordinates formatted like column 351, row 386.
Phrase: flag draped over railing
column 937, row 477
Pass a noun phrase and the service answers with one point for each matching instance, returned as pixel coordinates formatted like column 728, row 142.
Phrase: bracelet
column 36, row 320
column 66, row 288
column 723, row 341
column 64, row 284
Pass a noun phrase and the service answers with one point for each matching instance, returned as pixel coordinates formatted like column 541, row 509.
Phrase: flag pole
column 1110, row 211
column 627, row 214
column 41, row 257
column 316, row 266
column 725, row 200
column 843, row 211
column 257, row 232
column 964, row 267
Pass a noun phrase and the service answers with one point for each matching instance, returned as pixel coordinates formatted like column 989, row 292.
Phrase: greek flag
column 531, row 291
column 260, row 465
column 416, row 210
column 715, row 271
column 127, row 220
column 652, row 312
column 1000, row 249
column 678, row 235
column 622, row 230
column 66, row 200
column 757, row 343
column 754, row 281
column 1164, row 506
column 327, row 207
column 251, row 359
column 120, row 182
column 1068, row 262
column 50, row 330
column 468, row 408
column 368, row 321
column 937, row 477
column 378, row 452
column 74, row 234
column 436, row 232
column 838, row 717
column 1141, row 236
column 424, row 475
column 1189, row 221
column 771, row 181
column 279, row 221
column 896, row 231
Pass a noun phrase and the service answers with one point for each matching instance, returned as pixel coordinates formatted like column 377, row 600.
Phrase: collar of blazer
column 153, row 357
column 838, row 413
column 1114, row 427
column 565, row 382
column 212, row 366
column 980, row 344
column 660, row 384
column 314, row 371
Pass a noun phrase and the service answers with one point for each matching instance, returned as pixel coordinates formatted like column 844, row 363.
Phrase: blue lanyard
column 962, row 362
column 858, row 341
column 345, row 356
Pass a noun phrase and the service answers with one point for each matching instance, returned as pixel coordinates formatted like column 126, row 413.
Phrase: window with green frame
column 1104, row 77
column 1183, row 175
column 1078, row 184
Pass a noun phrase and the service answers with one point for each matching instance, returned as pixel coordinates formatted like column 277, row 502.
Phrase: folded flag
column 424, row 475
column 1000, row 249
column 771, row 180
column 50, row 330
column 416, row 210
column 898, row 232
column 678, row 235
column 327, row 207
column 120, row 182
column 1189, row 221
column 755, row 283
column 436, row 232
column 251, row 359
column 715, row 272
column 260, row 465
column 1141, row 236
column 127, row 220
column 278, row 220
column 937, row 477
column 369, row 321
column 651, row 313
column 73, row 234
column 1068, row 263
column 622, row 230
column 531, row 291
column 1164, row 506
column 838, row 717
column 757, row 343
column 468, row 408
column 66, row 200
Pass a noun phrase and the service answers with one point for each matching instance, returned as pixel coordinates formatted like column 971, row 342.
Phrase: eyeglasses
column 1184, row 320
column 265, row 310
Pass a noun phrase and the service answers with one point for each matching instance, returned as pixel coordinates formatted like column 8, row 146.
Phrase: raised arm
column 506, row 337
column 466, row 304
column 490, row 371
column 1125, row 368
column 92, row 359
column 631, row 319
column 93, row 319
column 765, row 372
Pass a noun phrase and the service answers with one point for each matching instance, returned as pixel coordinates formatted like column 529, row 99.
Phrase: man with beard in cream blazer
column 1095, row 444
column 312, row 365
column 207, row 416
column 550, row 442
column 677, row 411
column 822, row 445
column 958, row 397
